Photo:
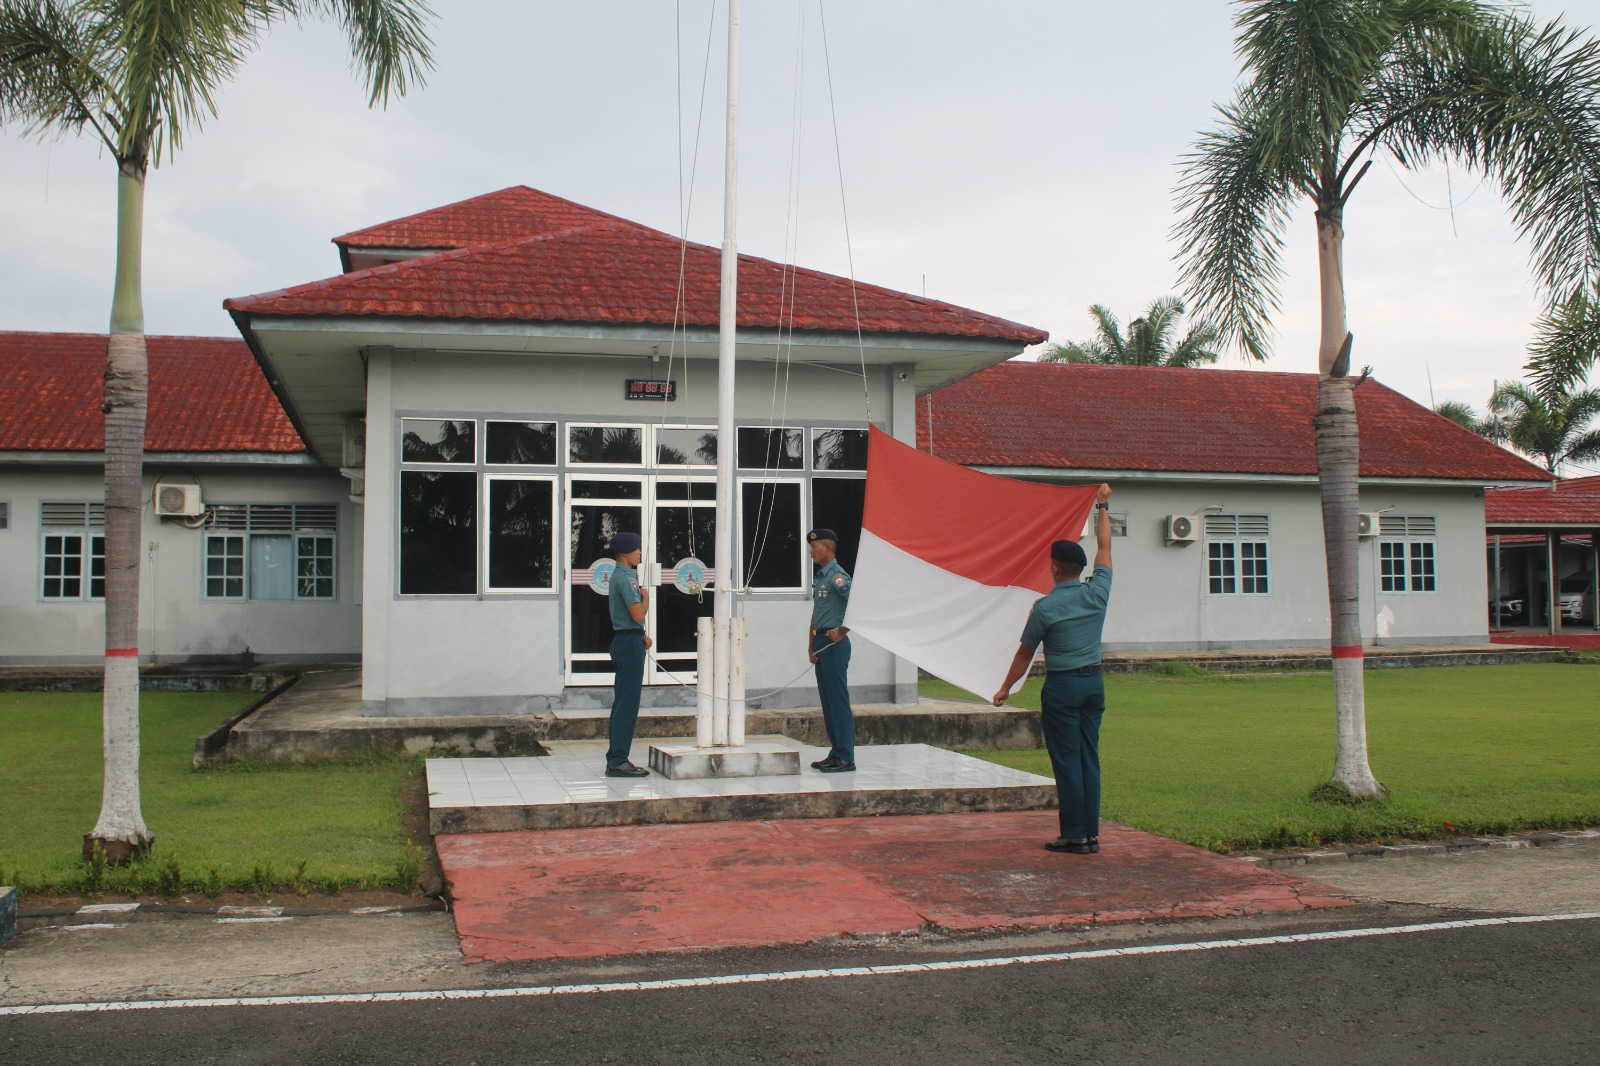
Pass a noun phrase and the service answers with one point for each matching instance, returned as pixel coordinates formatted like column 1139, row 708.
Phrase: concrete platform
column 586, row 893
column 567, row 790
column 319, row 717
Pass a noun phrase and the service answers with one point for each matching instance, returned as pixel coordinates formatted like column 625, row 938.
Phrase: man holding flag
column 1068, row 622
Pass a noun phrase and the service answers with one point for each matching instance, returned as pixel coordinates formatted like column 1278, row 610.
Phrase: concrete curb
column 8, row 914
column 99, row 912
column 1462, row 846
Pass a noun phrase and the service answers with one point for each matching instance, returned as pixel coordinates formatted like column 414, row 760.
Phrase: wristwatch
column 1104, row 505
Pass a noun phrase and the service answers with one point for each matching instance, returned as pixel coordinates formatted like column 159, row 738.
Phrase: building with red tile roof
column 207, row 396
column 1165, row 420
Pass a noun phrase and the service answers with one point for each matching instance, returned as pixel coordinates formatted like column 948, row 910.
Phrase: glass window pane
column 837, row 504
column 683, row 490
column 437, row 440
column 839, row 449
column 520, row 443
column 614, row 445
column 438, row 542
column 1422, row 566
column 271, row 567
column 771, row 535
column 608, row 490
column 771, row 449
column 521, row 534
column 97, row 568
column 676, row 446
column 314, row 568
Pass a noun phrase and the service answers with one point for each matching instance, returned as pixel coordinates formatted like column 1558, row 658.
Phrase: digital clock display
column 651, row 389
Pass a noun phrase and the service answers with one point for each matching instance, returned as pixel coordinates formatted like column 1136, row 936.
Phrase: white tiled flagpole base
column 761, row 756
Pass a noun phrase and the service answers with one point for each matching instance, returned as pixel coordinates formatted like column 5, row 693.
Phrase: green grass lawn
column 1229, row 762
column 256, row 826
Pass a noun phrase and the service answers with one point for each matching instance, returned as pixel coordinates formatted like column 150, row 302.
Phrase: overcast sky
column 1017, row 157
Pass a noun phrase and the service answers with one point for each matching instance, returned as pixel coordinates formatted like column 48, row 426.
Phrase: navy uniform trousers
column 833, row 685
column 1071, row 707
column 627, row 656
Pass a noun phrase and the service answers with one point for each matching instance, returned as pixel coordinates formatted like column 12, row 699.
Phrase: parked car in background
column 1513, row 610
column 1577, row 594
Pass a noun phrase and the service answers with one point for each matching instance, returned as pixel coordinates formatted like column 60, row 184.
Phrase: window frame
column 801, row 483
column 567, row 462
column 1409, row 532
column 295, row 531
column 1238, row 564
column 486, row 567
column 90, row 531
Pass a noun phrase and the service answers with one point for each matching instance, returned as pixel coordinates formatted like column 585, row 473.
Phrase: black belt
column 1080, row 671
column 629, row 632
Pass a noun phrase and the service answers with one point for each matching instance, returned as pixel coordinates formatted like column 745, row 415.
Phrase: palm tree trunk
column 1338, row 476
column 121, row 831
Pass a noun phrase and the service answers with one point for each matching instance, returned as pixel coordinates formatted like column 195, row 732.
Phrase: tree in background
column 139, row 74
column 1466, row 416
column 1150, row 340
column 1566, row 346
column 1554, row 430
column 1328, row 86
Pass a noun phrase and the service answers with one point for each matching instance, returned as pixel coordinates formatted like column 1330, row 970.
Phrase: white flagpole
column 727, row 444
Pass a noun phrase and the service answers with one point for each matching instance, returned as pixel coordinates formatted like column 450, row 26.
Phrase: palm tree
column 1466, row 416
column 1567, row 345
column 139, row 74
column 1148, row 343
column 1553, row 430
column 1329, row 85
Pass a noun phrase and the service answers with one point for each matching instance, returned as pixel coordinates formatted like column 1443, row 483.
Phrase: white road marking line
column 108, row 908
column 256, row 912
column 783, row 975
column 242, row 921
column 92, row 925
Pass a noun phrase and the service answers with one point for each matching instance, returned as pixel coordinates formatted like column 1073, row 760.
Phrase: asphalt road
column 1521, row 993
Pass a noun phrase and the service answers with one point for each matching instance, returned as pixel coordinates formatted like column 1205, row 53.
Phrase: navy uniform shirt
column 624, row 594
column 830, row 595
column 1068, row 621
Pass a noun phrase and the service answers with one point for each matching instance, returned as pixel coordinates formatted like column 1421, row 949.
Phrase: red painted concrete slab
column 576, row 893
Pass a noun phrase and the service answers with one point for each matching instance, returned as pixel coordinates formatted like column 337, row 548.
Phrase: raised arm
column 1102, row 529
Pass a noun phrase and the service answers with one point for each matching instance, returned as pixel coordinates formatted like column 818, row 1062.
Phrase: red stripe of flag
column 992, row 530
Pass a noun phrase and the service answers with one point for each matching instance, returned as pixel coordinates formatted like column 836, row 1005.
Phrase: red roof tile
column 1062, row 415
column 603, row 269
column 488, row 219
column 1575, row 501
column 206, row 395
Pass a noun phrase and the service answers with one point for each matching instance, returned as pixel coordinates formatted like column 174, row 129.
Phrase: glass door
column 684, row 538
column 598, row 507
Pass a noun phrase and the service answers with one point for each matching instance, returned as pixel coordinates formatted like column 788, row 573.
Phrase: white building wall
column 177, row 623
column 493, row 653
column 1160, row 599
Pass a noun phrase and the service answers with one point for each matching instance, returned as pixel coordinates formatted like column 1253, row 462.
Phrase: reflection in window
column 677, row 446
column 769, row 517
column 437, row 440
column 521, row 534
column 837, row 504
column 608, row 490
column 839, row 449
column 438, row 543
column 771, row 449
column 314, row 567
column 617, row 445
column 520, row 443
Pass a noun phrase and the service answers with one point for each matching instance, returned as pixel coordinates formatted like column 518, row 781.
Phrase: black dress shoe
column 837, row 766
column 824, row 763
column 1070, row 845
column 1094, row 845
column 627, row 769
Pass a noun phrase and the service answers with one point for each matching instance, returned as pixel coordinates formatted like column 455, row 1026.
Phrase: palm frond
column 52, row 77
column 389, row 40
column 1565, row 346
column 1234, row 204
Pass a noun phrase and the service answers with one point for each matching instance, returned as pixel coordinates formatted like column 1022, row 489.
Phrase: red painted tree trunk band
column 1347, row 651
column 122, row 652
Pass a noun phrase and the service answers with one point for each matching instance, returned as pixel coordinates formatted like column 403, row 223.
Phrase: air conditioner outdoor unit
column 1367, row 525
column 1181, row 528
column 179, row 500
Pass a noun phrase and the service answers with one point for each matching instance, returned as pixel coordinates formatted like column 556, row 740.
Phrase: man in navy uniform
column 829, row 649
column 1068, row 621
column 629, row 605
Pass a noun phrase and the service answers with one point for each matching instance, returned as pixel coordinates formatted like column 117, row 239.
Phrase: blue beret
column 623, row 543
column 1068, row 551
column 822, row 534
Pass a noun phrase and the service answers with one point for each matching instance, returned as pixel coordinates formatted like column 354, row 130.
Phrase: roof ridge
column 343, row 239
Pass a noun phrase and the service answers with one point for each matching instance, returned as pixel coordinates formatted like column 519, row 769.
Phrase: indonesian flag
column 952, row 560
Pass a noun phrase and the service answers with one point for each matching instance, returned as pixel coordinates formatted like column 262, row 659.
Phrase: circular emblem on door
column 689, row 576
column 600, row 576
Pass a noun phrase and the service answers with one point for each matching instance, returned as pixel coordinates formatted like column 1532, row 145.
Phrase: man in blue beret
column 829, row 648
column 629, row 604
column 1068, row 621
